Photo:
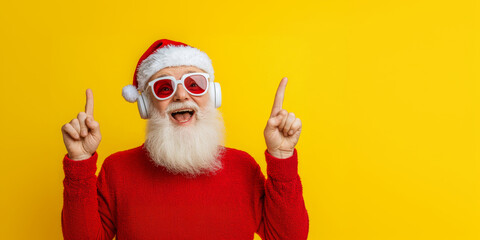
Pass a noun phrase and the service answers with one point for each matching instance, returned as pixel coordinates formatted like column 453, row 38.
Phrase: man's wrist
column 79, row 157
column 281, row 154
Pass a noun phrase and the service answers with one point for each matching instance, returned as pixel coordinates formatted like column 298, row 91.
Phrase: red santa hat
column 161, row 54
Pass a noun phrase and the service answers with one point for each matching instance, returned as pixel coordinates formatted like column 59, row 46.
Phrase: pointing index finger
column 89, row 104
column 278, row 103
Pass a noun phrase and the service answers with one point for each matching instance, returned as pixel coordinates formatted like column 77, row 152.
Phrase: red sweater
column 133, row 199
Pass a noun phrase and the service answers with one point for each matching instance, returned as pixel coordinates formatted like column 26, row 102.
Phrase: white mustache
column 173, row 106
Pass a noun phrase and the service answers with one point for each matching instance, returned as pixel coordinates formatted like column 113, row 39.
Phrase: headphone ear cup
column 215, row 93
column 218, row 95
column 143, row 106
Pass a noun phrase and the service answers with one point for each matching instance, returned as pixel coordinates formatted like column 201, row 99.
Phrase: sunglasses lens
column 163, row 88
column 196, row 84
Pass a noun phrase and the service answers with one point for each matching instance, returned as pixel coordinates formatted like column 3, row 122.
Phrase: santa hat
column 161, row 54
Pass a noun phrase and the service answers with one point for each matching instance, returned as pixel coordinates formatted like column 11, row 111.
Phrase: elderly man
column 181, row 183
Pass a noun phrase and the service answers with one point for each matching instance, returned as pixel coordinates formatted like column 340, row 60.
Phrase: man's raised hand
column 283, row 128
column 82, row 135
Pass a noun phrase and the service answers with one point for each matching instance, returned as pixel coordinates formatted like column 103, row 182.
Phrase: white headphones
column 214, row 91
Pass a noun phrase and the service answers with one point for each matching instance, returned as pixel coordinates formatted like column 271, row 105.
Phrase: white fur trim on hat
column 130, row 93
column 171, row 56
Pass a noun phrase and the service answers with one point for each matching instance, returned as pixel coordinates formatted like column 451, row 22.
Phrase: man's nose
column 180, row 94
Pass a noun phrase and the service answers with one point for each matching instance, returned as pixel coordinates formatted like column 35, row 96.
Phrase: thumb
column 93, row 126
column 274, row 122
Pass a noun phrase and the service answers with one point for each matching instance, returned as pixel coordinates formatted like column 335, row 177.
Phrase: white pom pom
column 130, row 93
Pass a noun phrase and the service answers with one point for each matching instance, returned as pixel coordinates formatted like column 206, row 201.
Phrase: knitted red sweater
column 133, row 199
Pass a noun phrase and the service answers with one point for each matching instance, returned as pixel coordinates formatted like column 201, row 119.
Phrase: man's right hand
column 82, row 135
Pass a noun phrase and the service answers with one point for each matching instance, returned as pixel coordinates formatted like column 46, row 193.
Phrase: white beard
column 190, row 150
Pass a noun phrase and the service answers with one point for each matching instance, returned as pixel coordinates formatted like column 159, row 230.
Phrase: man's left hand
column 283, row 128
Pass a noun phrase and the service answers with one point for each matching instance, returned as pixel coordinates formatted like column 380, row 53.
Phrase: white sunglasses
column 196, row 84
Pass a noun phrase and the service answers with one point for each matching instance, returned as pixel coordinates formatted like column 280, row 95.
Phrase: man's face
column 182, row 142
column 180, row 95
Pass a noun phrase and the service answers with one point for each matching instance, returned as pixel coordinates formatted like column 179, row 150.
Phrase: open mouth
column 182, row 115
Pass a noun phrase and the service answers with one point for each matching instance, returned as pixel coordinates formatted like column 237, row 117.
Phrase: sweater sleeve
column 87, row 204
column 284, row 215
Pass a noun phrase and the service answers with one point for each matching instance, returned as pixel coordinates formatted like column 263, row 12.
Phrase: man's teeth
column 182, row 111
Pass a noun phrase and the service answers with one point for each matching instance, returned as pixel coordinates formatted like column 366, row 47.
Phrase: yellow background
column 387, row 92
